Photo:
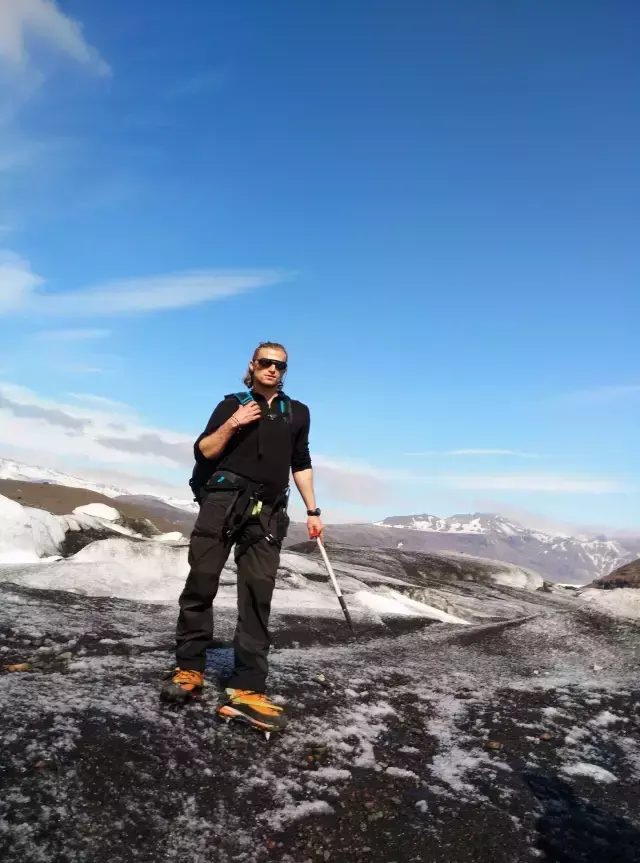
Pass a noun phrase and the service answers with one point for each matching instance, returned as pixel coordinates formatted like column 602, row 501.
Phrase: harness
column 246, row 503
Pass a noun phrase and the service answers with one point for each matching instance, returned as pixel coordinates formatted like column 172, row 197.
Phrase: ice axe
column 314, row 534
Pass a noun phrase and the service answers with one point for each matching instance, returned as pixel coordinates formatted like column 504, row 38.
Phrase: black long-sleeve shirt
column 264, row 451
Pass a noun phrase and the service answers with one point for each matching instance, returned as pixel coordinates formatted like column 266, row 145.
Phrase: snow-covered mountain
column 559, row 557
column 562, row 557
column 16, row 470
column 479, row 522
column 34, row 473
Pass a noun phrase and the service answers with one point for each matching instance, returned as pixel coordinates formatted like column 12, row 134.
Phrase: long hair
column 248, row 378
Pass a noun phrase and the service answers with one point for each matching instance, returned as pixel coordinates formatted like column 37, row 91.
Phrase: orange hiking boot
column 184, row 684
column 253, row 708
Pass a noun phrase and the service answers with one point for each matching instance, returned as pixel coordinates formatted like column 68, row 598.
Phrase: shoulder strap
column 284, row 403
column 243, row 398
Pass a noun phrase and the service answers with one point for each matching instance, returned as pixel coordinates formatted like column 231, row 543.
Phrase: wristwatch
column 314, row 512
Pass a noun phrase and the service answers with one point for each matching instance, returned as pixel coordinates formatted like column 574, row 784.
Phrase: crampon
column 254, row 709
column 183, row 686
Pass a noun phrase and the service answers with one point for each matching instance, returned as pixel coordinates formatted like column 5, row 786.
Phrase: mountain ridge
column 585, row 554
column 558, row 556
column 15, row 470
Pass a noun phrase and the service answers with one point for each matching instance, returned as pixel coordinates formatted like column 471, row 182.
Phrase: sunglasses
column 266, row 363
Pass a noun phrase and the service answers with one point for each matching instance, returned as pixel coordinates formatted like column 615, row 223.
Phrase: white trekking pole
column 334, row 581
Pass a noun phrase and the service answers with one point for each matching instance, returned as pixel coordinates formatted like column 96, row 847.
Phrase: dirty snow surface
column 467, row 720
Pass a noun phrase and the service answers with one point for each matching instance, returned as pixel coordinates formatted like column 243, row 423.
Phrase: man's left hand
column 315, row 527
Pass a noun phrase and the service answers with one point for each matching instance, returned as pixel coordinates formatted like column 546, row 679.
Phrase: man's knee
column 202, row 582
column 197, row 595
column 207, row 555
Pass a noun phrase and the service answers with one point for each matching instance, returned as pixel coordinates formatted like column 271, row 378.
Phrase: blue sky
column 435, row 206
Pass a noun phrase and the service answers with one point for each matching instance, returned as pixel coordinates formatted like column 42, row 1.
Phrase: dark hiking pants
column 257, row 558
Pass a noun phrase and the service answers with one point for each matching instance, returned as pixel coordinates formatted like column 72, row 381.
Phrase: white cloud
column 17, row 281
column 95, row 433
column 24, row 21
column 153, row 293
column 19, row 291
column 510, row 452
column 102, row 402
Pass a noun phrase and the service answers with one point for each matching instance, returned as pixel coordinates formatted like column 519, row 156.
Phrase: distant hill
column 625, row 576
column 156, row 508
column 61, row 500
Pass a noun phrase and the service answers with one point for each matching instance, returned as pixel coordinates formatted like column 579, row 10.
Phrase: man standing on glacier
column 241, row 481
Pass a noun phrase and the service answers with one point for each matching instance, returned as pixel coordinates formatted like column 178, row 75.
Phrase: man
column 241, row 480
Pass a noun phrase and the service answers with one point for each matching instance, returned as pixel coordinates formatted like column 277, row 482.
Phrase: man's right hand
column 213, row 445
column 247, row 414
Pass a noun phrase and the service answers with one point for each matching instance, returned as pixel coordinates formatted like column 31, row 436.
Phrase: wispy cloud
column 50, row 415
column 153, row 293
column 101, row 402
column 453, row 452
column 21, row 20
column 602, row 394
column 536, row 483
column 79, row 335
column 386, row 479
column 21, row 291
column 353, row 482
column 17, row 281
column 95, row 431
column 81, row 369
column 531, row 518
column 150, row 444
column 36, row 37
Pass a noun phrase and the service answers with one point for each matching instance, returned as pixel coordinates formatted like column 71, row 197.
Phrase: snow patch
column 622, row 601
column 173, row 536
column 294, row 812
column 592, row 771
column 26, row 533
column 332, row 774
column 518, row 577
column 98, row 510
column 401, row 773
column 606, row 719
column 394, row 603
